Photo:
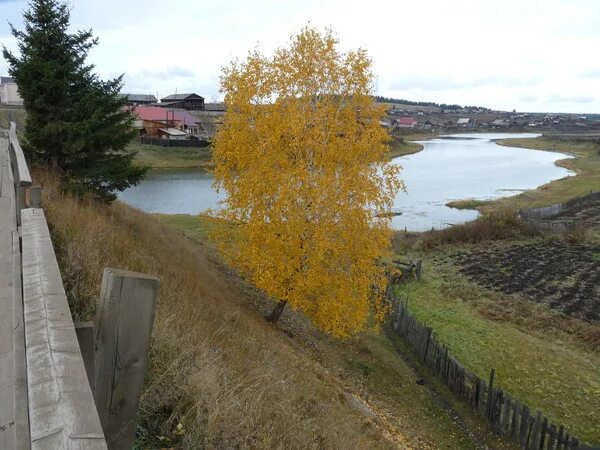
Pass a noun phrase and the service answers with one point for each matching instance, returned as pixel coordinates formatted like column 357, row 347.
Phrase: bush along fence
column 507, row 416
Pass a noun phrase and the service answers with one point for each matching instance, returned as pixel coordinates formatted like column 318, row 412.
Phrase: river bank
column 201, row 158
column 157, row 157
column 585, row 163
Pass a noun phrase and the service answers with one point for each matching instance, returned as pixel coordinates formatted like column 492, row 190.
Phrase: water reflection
column 448, row 168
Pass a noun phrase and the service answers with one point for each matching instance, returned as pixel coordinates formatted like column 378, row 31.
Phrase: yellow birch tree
column 302, row 158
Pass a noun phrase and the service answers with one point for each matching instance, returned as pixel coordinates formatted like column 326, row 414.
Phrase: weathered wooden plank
column 123, row 327
column 534, row 441
column 505, row 415
column 524, row 431
column 552, row 437
column 22, row 438
column 498, row 400
column 574, row 444
column 21, row 174
column 61, row 406
column 35, row 197
column 85, row 337
column 9, row 288
column 490, row 395
column 567, row 441
column 543, row 432
column 560, row 437
column 514, row 425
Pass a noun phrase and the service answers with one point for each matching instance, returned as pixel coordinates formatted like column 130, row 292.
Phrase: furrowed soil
column 563, row 276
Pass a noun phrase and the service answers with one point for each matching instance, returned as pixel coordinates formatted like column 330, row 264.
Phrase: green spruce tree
column 76, row 122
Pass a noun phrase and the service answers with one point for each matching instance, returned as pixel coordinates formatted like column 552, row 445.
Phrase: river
column 448, row 168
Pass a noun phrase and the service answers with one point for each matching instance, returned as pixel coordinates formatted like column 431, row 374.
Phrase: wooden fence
column 193, row 143
column 553, row 210
column 62, row 385
column 507, row 416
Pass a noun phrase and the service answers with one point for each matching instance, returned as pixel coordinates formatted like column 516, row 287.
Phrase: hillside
column 220, row 376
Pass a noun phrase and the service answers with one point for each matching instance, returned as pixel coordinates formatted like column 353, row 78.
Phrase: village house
column 173, row 134
column 193, row 102
column 139, row 99
column 500, row 123
column 464, row 122
column 404, row 122
column 9, row 93
column 217, row 107
column 427, row 125
column 160, row 122
column 385, row 124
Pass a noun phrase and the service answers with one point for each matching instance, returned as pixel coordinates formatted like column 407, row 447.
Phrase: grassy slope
column 171, row 157
column 586, row 164
column 540, row 357
column 371, row 364
column 218, row 369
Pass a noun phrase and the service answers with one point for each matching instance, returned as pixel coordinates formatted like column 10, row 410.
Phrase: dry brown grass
column 218, row 376
column 491, row 225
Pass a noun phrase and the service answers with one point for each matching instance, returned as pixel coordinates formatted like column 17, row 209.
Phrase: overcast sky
column 524, row 54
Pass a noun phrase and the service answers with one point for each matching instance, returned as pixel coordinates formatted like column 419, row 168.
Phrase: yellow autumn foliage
column 302, row 158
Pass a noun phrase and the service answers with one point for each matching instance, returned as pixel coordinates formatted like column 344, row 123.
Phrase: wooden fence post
column 490, row 397
column 35, row 197
column 123, row 328
column 85, row 336
column 21, row 193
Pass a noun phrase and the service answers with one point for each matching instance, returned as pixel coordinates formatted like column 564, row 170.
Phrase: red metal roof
column 406, row 121
column 156, row 113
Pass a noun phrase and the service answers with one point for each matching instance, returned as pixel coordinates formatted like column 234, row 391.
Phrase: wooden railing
column 63, row 385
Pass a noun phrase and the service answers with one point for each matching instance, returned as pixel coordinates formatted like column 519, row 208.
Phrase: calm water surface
column 448, row 168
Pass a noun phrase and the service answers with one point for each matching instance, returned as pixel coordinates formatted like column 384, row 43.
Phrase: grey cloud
column 593, row 73
column 179, row 72
column 556, row 98
column 164, row 75
column 528, row 98
column 442, row 84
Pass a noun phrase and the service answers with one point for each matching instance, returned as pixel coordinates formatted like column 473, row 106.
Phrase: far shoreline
column 586, row 177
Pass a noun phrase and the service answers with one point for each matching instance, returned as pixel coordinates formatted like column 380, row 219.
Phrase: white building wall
column 9, row 95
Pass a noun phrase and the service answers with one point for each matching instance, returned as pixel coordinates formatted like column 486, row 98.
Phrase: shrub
column 493, row 224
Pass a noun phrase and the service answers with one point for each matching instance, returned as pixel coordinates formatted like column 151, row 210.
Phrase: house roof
column 214, row 106
column 463, row 120
column 406, row 121
column 168, row 104
column 155, row 113
column 139, row 97
column 181, row 97
column 7, row 80
column 173, row 131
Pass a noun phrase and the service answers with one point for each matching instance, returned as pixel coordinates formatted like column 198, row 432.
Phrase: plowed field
column 565, row 277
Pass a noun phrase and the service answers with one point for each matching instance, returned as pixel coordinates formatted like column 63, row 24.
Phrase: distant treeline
column 381, row 99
